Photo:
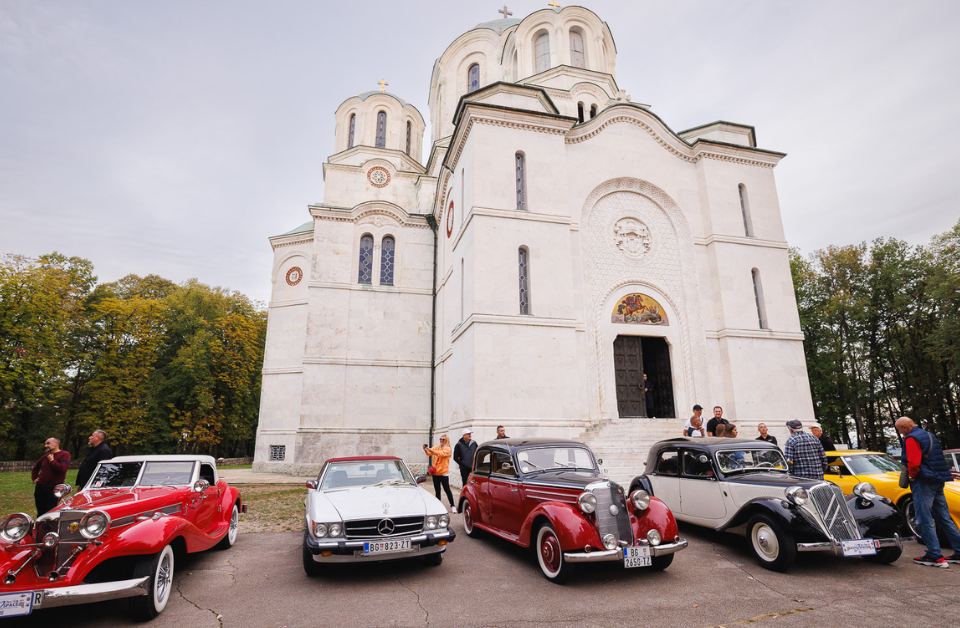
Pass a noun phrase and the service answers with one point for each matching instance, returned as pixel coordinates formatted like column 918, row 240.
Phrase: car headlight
column 798, row 495
column 609, row 541
column 587, row 502
column 444, row 521
column 336, row 529
column 653, row 537
column 865, row 490
column 94, row 524
column 319, row 530
column 432, row 522
column 50, row 539
column 640, row 499
column 15, row 527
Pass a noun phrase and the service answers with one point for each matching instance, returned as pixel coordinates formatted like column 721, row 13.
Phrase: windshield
column 871, row 463
column 365, row 473
column 124, row 474
column 117, row 475
column 543, row 458
column 730, row 460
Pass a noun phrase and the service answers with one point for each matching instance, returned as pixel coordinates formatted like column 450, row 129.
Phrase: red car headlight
column 15, row 527
column 94, row 524
column 640, row 499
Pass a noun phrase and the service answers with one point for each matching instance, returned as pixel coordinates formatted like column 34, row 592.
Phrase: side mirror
column 200, row 486
column 600, row 461
column 420, row 479
column 312, row 484
column 62, row 490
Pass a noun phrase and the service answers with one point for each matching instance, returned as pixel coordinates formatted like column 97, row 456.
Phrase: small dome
column 498, row 25
column 366, row 95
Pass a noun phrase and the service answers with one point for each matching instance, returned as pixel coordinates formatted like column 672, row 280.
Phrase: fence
column 27, row 465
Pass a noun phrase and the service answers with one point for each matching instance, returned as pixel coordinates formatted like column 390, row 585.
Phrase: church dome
column 374, row 92
column 379, row 119
column 498, row 25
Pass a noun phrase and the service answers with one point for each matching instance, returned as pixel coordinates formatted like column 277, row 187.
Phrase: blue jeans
column 929, row 504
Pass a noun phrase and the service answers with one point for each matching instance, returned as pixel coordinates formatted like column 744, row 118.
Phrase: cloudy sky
column 174, row 137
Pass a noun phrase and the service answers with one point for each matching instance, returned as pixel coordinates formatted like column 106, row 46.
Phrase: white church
column 564, row 264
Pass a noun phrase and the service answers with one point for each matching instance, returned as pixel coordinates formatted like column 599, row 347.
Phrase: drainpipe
column 432, row 221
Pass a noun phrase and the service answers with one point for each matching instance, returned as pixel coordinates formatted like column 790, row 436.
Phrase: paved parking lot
column 260, row 583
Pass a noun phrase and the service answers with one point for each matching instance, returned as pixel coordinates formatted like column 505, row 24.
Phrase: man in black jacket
column 99, row 451
column 825, row 441
column 463, row 454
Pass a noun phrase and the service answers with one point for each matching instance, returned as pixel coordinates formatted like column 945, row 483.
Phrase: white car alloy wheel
column 232, row 530
column 550, row 556
column 159, row 569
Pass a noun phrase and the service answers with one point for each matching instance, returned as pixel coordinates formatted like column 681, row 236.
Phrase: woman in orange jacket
column 441, row 468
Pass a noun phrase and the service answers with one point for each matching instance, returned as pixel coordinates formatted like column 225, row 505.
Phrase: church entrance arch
column 643, row 375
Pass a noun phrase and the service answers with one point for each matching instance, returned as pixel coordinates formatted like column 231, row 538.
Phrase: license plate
column 385, row 547
column 16, row 604
column 636, row 557
column 858, row 547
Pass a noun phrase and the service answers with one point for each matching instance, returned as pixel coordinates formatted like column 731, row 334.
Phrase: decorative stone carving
column 378, row 176
column 294, row 276
column 632, row 237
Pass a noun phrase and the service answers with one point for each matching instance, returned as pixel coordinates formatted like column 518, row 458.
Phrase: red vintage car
column 117, row 537
column 550, row 494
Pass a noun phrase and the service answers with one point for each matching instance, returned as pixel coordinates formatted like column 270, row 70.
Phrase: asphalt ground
column 491, row 583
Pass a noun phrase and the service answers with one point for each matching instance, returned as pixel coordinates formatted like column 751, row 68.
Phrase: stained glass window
column 353, row 128
column 473, row 78
column 743, row 209
column 366, row 259
column 521, row 175
column 524, row 281
column 758, row 295
column 542, row 53
column 577, row 58
column 387, row 256
column 409, row 136
column 381, row 129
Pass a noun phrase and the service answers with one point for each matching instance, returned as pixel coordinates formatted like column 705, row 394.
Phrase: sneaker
column 929, row 561
column 955, row 559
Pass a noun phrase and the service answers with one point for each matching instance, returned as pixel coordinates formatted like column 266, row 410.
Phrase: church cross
column 383, row 85
column 553, row 3
column 506, row 13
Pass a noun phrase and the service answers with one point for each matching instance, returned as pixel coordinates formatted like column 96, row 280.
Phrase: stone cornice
column 369, row 208
column 768, row 334
column 514, row 319
column 726, row 239
column 340, row 361
column 366, row 287
column 277, row 242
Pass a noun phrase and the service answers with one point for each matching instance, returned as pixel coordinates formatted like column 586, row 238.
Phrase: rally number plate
column 385, row 547
column 858, row 547
column 636, row 557
column 17, row 604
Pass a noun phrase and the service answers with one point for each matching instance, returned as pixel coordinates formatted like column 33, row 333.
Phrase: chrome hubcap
column 765, row 542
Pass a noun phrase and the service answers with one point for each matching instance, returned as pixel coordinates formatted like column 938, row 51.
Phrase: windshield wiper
column 387, row 482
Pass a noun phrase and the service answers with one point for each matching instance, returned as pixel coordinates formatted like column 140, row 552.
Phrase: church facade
column 563, row 264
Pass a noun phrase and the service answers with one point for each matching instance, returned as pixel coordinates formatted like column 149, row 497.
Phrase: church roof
column 366, row 95
column 498, row 25
column 307, row 226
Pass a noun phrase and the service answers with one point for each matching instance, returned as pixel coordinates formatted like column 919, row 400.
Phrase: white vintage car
column 369, row 508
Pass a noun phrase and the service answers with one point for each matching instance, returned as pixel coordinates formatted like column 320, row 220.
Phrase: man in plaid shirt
column 804, row 453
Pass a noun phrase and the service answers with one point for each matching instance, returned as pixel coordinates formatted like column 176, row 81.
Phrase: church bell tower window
column 366, row 259
column 353, row 128
column 745, row 210
column 577, row 58
column 381, row 129
column 758, row 295
column 409, row 136
column 524, row 264
column 387, row 255
column 542, row 53
column 521, row 174
column 473, row 78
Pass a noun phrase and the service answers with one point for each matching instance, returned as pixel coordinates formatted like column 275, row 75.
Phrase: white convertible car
column 369, row 508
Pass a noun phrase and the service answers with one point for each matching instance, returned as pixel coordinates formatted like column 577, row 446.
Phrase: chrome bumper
column 834, row 546
column 617, row 554
column 343, row 551
column 100, row 592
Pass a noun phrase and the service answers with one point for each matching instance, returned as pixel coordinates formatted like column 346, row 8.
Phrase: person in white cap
column 463, row 454
column 825, row 441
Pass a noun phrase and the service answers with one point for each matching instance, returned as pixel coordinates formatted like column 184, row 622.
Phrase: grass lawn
column 16, row 492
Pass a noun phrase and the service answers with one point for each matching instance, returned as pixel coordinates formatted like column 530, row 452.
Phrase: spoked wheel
column 910, row 514
column 159, row 568
column 231, row 536
column 772, row 546
column 550, row 556
column 468, row 526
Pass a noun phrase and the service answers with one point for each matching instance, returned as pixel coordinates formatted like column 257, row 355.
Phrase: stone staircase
column 623, row 444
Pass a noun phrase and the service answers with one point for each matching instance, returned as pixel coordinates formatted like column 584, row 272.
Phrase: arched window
column 353, row 128
column 381, row 129
column 524, row 264
column 542, row 53
column 593, row 111
column 366, row 259
column 745, row 210
column 521, row 174
column 473, row 78
column 409, row 136
column 758, row 295
column 387, row 256
column 577, row 58
column 580, row 111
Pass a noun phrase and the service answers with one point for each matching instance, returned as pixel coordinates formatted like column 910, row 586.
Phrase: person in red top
column 49, row 471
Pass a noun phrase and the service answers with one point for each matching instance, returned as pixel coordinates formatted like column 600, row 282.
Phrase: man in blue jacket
column 928, row 472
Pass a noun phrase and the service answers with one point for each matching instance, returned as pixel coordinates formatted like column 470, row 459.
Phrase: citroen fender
column 657, row 517
column 572, row 527
column 874, row 517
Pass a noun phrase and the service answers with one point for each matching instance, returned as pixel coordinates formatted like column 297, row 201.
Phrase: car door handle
column 514, row 490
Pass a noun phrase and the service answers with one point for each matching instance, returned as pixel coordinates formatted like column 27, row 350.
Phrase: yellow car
column 847, row 468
